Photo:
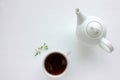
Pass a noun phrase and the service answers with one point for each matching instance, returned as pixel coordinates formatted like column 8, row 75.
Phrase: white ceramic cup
column 65, row 55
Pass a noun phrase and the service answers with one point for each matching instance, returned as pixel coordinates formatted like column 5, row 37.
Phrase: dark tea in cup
column 55, row 63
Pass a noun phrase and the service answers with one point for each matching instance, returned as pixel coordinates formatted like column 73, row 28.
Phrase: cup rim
column 51, row 75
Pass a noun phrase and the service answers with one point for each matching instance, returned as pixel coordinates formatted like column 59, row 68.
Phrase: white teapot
column 91, row 31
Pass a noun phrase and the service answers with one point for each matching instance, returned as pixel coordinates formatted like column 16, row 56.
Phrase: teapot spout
column 80, row 17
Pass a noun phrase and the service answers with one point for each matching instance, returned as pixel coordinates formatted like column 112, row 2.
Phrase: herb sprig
column 38, row 50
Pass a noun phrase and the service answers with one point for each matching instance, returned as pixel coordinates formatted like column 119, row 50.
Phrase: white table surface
column 27, row 24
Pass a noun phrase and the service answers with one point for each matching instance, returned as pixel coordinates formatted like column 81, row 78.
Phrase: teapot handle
column 106, row 45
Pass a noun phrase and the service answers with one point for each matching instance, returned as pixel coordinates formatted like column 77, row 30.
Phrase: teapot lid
column 94, row 29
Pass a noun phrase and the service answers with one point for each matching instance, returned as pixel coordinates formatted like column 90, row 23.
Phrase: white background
column 27, row 24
